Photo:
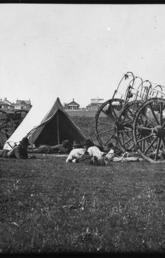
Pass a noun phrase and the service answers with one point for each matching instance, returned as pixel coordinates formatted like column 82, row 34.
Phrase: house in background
column 6, row 105
column 22, row 105
column 73, row 105
column 95, row 103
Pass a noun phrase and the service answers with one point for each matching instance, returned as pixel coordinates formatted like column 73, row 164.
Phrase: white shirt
column 110, row 154
column 75, row 154
column 94, row 151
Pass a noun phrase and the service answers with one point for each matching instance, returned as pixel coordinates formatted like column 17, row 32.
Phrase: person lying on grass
column 102, row 158
column 19, row 151
column 126, row 156
column 75, row 155
column 89, row 152
column 63, row 148
column 79, row 152
column 95, row 153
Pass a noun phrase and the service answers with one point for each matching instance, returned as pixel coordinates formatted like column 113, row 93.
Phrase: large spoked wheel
column 7, row 127
column 105, row 119
column 125, row 126
column 149, row 130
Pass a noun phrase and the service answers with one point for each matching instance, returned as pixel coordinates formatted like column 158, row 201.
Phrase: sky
column 78, row 51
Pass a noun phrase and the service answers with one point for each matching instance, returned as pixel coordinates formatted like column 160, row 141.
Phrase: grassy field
column 50, row 206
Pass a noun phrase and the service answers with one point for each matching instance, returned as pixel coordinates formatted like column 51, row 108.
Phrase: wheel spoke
column 131, row 113
column 104, row 112
column 104, row 123
column 144, row 128
column 153, row 113
column 129, row 121
column 151, row 144
column 131, row 146
column 145, row 138
column 157, row 149
column 109, row 140
column 128, row 133
column 128, row 141
column 102, row 132
column 127, row 130
column 163, row 140
column 123, row 137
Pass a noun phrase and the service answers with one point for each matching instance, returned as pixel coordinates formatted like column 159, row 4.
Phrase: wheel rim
column 125, row 126
column 105, row 118
column 149, row 130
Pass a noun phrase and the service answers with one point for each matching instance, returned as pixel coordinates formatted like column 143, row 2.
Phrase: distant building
column 95, row 103
column 5, row 104
column 22, row 105
column 73, row 105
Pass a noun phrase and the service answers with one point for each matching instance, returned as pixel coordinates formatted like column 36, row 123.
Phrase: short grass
column 50, row 206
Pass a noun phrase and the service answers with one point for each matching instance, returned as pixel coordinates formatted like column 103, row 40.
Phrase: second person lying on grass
column 89, row 151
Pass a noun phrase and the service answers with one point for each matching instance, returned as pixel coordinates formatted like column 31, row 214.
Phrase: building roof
column 5, row 103
column 23, row 102
column 73, row 103
column 97, row 100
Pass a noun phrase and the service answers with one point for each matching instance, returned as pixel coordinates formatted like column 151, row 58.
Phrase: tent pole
column 58, row 129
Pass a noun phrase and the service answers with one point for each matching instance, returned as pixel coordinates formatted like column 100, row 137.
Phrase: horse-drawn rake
column 135, row 118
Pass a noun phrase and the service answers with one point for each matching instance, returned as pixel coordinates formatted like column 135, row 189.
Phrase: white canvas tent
column 46, row 128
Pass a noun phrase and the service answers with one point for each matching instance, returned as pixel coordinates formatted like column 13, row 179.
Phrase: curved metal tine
column 137, row 77
column 147, row 81
column 161, row 113
column 149, row 87
column 139, row 85
column 158, row 86
column 151, row 144
column 125, row 77
column 157, row 149
column 154, row 114
column 139, row 88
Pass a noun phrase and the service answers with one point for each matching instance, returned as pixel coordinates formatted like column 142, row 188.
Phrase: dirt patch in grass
column 50, row 206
